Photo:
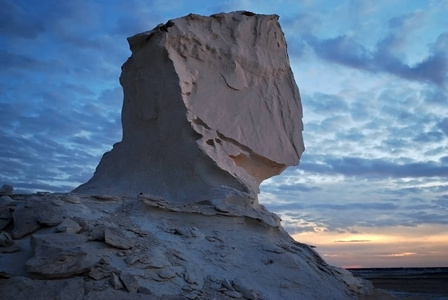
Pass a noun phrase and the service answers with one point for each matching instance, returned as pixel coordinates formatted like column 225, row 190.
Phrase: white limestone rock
column 233, row 255
column 208, row 102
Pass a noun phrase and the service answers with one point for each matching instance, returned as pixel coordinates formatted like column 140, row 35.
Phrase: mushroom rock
column 210, row 105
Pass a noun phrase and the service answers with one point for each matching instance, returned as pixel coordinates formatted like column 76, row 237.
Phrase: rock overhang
column 221, row 85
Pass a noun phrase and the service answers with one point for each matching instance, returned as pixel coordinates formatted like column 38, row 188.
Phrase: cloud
column 17, row 21
column 352, row 241
column 326, row 104
column 290, row 188
column 389, row 53
column 397, row 254
column 375, row 168
column 14, row 62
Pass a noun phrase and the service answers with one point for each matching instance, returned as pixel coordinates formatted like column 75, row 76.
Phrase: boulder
column 31, row 215
column 5, row 239
column 209, row 102
column 116, row 238
column 6, row 189
column 58, row 255
column 5, row 217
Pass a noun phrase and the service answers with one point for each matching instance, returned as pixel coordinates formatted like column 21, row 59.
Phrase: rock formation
column 209, row 102
column 210, row 110
column 80, row 247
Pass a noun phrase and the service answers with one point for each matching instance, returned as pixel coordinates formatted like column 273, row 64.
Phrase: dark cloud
column 13, row 62
column 431, row 136
column 18, row 19
column 341, row 49
column 325, row 103
column 443, row 126
column 356, row 206
column 347, row 51
column 375, row 168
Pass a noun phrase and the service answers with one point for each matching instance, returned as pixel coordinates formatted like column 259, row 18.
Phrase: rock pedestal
column 209, row 102
column 210, row 110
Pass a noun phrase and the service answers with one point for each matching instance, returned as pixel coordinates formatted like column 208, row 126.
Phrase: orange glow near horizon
column 421, row 246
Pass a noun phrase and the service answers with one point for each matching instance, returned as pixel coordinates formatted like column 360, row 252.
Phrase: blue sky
column 371, row 188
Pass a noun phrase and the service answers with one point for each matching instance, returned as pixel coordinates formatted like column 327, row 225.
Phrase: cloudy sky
column 371, row 189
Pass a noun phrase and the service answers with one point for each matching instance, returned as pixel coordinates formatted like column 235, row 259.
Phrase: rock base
column 144, row 248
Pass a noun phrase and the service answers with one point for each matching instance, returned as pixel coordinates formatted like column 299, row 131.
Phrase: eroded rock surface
column 208, row 102
column 143, row 248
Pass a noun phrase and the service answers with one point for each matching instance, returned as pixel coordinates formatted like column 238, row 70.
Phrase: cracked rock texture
column 209, row 102
column 144, row 248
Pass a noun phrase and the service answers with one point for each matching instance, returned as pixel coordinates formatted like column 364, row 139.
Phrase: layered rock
column 195, row 251
column 209, row 102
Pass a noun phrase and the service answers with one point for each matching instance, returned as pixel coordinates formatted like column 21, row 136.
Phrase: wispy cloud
column 396, row 254
column 353, row 241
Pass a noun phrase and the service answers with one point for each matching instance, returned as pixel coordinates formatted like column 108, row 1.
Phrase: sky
column 371, row 189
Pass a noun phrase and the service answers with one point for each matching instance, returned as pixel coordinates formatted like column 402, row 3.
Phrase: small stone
column 97, row 233
column 144, row 290
column 167, row 274
column 183, row 231
column 82, row 222
column 244, row 291
column 132, row 259
column 233, row 294
column 156, row 259
column 191, row 277
column 6, row 189
column 69, row 225
column 104, row 261
column 116, row 238
column 121, row 253
column 98, row 273
column 130, row 282
column 195, row 232
column 5, row 239
column 225, row 283
column 116, row 282
column 72, row 199
column 57, row 202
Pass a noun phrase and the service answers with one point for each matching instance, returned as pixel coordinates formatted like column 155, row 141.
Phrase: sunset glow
column 421, row 246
